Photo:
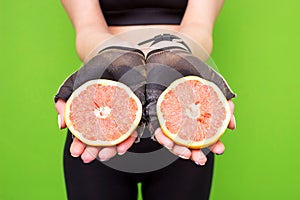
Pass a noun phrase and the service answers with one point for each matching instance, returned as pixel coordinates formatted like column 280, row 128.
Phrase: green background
column 256, row 47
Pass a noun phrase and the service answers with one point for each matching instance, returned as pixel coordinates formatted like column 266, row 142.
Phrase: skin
column 91, row 30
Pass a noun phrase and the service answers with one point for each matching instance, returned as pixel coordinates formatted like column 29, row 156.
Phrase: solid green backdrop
column 256, row 47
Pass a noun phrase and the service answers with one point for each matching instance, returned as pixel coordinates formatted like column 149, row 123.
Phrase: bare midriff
column 121, row 29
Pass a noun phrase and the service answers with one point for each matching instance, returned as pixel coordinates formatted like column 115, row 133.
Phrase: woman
column 95, row 23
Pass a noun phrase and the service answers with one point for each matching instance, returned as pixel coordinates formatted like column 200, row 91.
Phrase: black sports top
column 141, row 12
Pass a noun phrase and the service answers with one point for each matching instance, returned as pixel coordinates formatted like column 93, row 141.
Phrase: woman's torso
column 127, row 15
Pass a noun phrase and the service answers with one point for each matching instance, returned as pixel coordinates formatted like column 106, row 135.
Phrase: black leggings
column 181, row 180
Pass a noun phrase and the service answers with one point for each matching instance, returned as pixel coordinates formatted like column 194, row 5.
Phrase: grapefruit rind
column 103, row 82
column 193, row 144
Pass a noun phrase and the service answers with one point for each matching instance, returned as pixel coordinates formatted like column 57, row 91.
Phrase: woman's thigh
column 183, row 179
column 95, row 180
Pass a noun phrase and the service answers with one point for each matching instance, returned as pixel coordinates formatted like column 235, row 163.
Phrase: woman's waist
column 121, row 29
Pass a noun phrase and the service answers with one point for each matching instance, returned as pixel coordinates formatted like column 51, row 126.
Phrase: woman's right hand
column 90, row 153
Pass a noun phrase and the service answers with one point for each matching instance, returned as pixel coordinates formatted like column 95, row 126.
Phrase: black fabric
column 164, row 66
column 176, row 63
column 166, row 37
column 66, row 89
column 182, row 179
column 113, row 63
column 141, row 12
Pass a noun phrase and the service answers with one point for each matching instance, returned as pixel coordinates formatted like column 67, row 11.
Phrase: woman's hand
column 90, row 153
column 196, row 155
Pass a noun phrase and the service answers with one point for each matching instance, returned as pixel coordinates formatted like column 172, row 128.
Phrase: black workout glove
column 121, row 64
column 165, row 66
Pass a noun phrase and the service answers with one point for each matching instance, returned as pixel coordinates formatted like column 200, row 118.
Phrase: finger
column 60, row 108
column 125, row 145
column 107, row 153
column 231, row 105
column 181, row 151
column 198, row 157
column 90, row 153
column 163, row 139
column 77, row 147
column 232, row 122
column 218, row 148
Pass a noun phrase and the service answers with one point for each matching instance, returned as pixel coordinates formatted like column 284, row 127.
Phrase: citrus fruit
column 193, row 112
column 102, row 112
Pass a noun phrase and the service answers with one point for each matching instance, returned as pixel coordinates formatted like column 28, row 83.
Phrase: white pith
column 193, row 111
column 102, row 112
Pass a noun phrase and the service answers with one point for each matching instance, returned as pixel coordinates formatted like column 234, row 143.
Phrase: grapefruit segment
column 103, row 112
column 193, row 112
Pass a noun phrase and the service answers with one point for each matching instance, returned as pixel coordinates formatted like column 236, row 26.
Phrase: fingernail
column 201, row 164
column 183, row 157
column 86, row 161
column 220, row 151
column 75, row 156
column 234, row 122
column 59, row 121
column 103, row 159
column 121, row 153
column 135, row 134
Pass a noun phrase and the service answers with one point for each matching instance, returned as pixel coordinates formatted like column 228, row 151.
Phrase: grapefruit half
column 193, row 112
column 103, row 112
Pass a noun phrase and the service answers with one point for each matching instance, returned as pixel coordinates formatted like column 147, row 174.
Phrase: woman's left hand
column 90, row 153
column 196, row 155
